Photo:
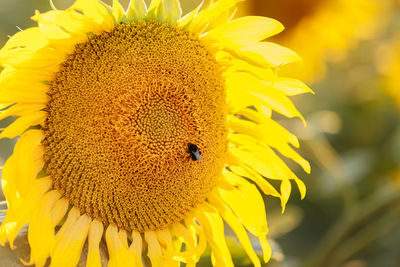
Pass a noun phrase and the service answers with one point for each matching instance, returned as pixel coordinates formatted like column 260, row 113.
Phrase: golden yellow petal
column 172, row 11
column 244, row 83
column 68, row 249
column 248, row 205
column 235, row 225
column 41, row 230
column 28, row 152
column 243, row 31
column 95, row 234
column 70, row 21
column 272, row 53
column 210, row 14
column 118, row 12
column 21, row 45
column 291, row 86
column 22, row 123
column 137, row 10
column 119, row 255
column 155, row 10
column 188, row 18
column 96, row 11
column 213, row 226
column 154, row 248
column 136, row 248
column 72, row 217
column 20, row 212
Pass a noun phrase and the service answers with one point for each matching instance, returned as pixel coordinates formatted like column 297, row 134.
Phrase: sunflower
column 147, row 129
column 321, row 31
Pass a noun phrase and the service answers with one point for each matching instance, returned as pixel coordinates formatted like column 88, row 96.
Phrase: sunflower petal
column 23, row 123
column 213, row 226
column 41, row 228
column 28, row 152
column 21, row 45
column 242, row 83
column 20, row 212
column 118, row 12
column 172, row 11
column 95, row 233
column 248, row 205
column 155, row 11
column 96, row 11
column 243, row 31
column 68, row 249
column 236, row 226
column 137, row 10
column 119, row 255
column 266, row 53
column 210, row 14
column 154, row 248
column 136, row 248
column 188, row 18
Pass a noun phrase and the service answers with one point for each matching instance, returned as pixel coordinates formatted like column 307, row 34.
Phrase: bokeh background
column 351, row 59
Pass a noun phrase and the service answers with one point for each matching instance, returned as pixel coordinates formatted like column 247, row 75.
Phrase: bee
column 194, row 152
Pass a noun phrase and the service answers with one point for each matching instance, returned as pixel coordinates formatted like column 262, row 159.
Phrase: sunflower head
column 147, row 129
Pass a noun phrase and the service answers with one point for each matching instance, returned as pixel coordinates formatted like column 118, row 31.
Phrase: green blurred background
column 351, row 214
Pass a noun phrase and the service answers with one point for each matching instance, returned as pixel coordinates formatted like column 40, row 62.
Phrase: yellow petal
column 137, row 10
column 21, row 109
column 266, row 53
column 188, row 18
column 68, row 249
column 245, row 171
column 22, row 123
column 59, row 39
column 59, row 210
column 28, row 152
column 244, row 83
column 41, row 230
column 165, row 240
column 70, row 21
column 96, row 11
column 257, row 136
column 19, row 213
column 234, row 65
column 210, row 14
column 10, row 75
column 155, row 11
column 291, row 86
column 248, row 205
column 265, row 248
column 213, row 226
column 119, row 255
column 236, row 226
column 243, row 31
column 20, row 46
column 154, row 248
column 73, row 216
column 95, row 233
column 172, row 11
column 45, row 59
column 136, row 248
column 286, row 188
column 118, row 12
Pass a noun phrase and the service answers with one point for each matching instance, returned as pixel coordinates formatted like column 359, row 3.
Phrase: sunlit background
column 351, row 59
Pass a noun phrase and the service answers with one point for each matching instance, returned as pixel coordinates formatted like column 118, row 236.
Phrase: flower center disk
column 121, row 113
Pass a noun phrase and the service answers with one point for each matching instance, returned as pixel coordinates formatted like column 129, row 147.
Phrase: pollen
column 122, row 110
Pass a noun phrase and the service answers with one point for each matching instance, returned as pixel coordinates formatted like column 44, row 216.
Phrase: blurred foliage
column 351, row 215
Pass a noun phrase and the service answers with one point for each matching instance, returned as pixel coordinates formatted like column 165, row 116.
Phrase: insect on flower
column 194, row 152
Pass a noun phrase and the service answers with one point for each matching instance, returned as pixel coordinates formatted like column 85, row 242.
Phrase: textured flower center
column 122, row 111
